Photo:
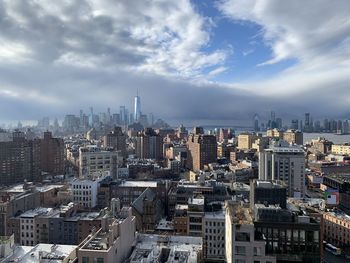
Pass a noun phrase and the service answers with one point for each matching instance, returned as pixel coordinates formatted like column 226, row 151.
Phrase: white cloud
column 162, row 37
column 72, row 54
column 303, row 30
column 217, row 71
column 315, row 33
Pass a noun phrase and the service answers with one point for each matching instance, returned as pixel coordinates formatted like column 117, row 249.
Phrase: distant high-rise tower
column 137, row 108
column 91, row 117
column 256, row 123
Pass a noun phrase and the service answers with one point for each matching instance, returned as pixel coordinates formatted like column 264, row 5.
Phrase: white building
column 113, row 242
column 28, row 227
column 286, row 163
column 85, row 192
column 214, row 236
column 242, row 246
column 94, row 162
column 42, row 253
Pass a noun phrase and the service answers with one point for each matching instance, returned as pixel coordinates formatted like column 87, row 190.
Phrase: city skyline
column 190, row 131
column 238, row 57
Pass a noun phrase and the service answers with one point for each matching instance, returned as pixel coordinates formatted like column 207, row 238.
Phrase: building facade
column 202, row 150
column 284, row 163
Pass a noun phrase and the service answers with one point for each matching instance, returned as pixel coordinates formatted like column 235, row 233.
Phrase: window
column 242, row 236
column 239, row 250
column 99, row 260
column 257, row 251
column 85, row 260
column 240, row 261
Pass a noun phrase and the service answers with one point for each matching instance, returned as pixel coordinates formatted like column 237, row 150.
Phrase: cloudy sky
column 192, row 61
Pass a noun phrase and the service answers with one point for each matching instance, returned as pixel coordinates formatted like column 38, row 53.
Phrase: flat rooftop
column 165, row 225
column 39, row 211
column 239, row 214
column 215, row 215
column 49, row 253
column 340, row 215
column 138, row 184
column 290, row 149
column 196, row 201
column 268, row 184
column 99, row 242
column 153, row 248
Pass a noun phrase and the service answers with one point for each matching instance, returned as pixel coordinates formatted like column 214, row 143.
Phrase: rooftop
column 215, row 215
column 176, row 249
column 138, row 184
column 165, row 225
column 340, row 215
column 268, row 184
column 239, row 214
column 39, row 211
column 43, row 253
column 99, row 242
column 290, row 149
column 196, row 201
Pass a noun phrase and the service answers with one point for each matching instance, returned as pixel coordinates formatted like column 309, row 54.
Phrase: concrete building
column 285, row 163
column 293, row 137
column 274, row 133
column 13, row 203
column 336, row 228
column 52, row 154
column 214, row 236
column 341, row 184
column 95, row 162
column 290, row 235
column 180, row 220
column 85, row 192
column 242, row 244
column 224, row 150
column 246, row 140
column 129, row 191
column 147, row 209
column 19, row 160
column 149, row 145
column 195, row 215
column 112, row 242
column 321, row 145
column 202, row 150
column 343, row 149
column 268, row 193
column 116, row 139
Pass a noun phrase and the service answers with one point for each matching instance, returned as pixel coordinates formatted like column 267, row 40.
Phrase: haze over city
column 211, row 62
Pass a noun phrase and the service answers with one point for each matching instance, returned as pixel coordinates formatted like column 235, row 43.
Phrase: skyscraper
column 91, row 117
column 256, row 123
column 137, row 108
column 123, row 116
